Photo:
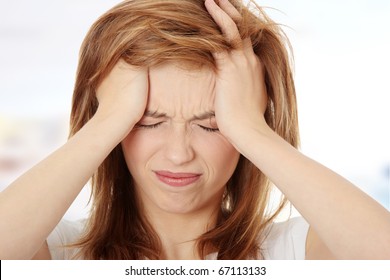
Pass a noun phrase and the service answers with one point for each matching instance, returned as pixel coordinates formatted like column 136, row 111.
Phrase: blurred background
column 341, row 51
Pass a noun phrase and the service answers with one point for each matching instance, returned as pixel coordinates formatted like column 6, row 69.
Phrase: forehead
column 177, row 90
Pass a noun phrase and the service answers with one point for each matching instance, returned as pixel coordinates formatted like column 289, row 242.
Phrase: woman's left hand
column 356, row 228
column 240, row 91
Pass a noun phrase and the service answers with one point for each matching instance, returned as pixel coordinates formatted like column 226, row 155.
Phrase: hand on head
column 123, row 95
column 240, row 92
column 241, row 96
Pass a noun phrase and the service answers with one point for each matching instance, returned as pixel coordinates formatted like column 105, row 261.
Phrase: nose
column 178, row 148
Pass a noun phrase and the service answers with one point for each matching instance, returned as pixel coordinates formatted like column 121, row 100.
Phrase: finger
column 225, row 22
column 230, row 10
column 247, row 47
column 221, row 57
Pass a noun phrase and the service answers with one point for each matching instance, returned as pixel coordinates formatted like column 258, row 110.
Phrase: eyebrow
column 202, row 116
column 154, row 114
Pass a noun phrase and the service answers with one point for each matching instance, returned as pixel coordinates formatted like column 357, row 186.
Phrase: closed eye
column 149, row 126
column 208, row 129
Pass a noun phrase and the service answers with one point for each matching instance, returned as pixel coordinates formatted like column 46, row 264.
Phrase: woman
column 183, row 113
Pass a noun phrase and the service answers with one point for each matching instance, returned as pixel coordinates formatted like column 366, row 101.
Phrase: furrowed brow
column 202, row 116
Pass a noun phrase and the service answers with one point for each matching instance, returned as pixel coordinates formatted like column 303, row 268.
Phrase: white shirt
column 284, row 241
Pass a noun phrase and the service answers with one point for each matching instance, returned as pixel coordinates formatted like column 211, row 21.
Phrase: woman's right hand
column 123, row 96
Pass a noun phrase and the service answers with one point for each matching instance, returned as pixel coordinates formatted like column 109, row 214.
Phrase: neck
column 179, row 232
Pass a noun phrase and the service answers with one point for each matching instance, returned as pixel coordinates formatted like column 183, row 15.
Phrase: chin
column 178, row 208
column 187, row 207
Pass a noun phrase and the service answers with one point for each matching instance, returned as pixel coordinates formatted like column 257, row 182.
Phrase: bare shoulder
column 43, row 253
column 316, row 248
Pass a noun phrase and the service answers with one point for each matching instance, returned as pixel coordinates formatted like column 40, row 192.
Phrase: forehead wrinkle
column 181, row 94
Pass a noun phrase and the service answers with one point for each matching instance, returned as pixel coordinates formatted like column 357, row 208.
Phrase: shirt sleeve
column 286, row 240
column 65, row 233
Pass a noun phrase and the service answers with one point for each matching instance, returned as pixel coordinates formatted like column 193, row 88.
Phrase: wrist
column 242, row 137
column 111, row 126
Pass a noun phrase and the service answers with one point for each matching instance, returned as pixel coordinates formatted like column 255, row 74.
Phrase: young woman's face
column 179, row 160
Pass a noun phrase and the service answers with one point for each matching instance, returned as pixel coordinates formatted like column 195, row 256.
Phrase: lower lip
column 178, row 182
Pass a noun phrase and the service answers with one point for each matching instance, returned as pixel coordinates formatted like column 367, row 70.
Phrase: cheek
column 220, row 156
column 137, row 149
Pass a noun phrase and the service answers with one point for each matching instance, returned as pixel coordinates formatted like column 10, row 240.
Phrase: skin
column 178, row 134
column 324, row 198
column 336, row 231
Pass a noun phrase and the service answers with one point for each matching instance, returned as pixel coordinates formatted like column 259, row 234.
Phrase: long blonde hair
column 148, row 33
